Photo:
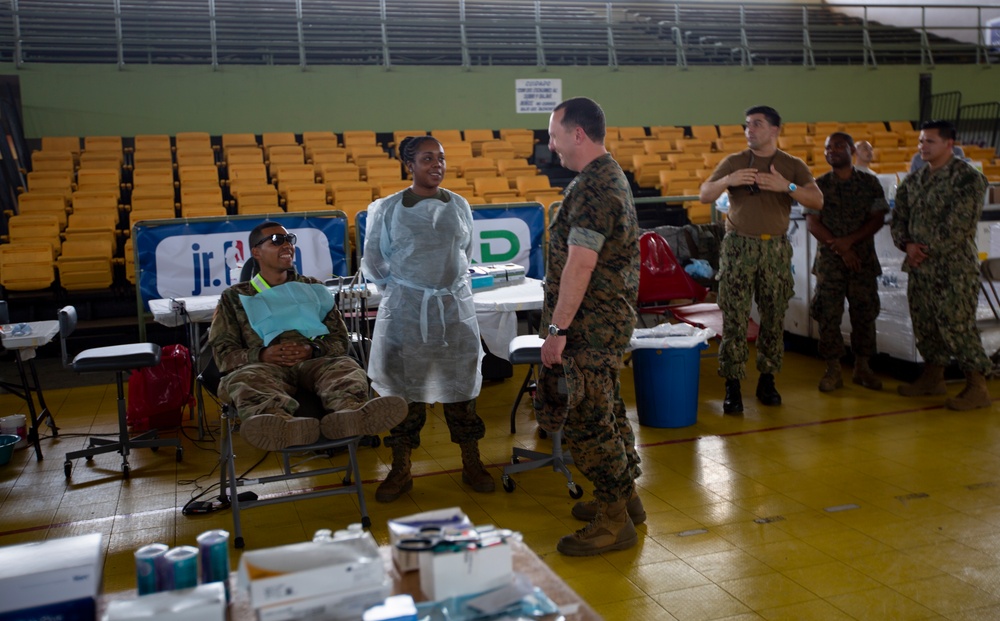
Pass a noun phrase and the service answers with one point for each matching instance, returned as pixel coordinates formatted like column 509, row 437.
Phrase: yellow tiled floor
column 850, row 505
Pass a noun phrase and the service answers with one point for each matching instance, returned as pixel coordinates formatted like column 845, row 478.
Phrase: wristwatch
column 555, row 330
column 792, row 187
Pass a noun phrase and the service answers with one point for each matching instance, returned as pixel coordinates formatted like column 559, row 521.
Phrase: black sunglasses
column 278, row 239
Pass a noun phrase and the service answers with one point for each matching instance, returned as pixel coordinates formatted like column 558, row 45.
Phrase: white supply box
column 335, row 570
column 472, row 570
column 51, row 580
column 410, row 526
column 206, row 602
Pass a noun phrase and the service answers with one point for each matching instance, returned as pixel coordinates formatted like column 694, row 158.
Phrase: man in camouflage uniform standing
column 846, row 265
column 264, row 363
column 934, row 223
column 591, row 286
column 756, row 257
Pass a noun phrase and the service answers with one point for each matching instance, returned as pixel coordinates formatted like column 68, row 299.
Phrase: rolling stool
column 528, row 350
column 117, row 358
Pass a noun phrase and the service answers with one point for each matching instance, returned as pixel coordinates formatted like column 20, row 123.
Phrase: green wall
column 150, row 99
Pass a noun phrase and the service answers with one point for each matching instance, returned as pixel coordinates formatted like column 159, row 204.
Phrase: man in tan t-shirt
column 756, row 256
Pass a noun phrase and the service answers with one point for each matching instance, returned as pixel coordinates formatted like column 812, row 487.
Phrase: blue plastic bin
column 666, row 385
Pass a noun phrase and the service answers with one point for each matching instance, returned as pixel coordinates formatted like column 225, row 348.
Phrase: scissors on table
column 434, row 538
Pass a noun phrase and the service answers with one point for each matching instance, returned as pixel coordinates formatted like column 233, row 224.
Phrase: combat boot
column 832, row 379
column 398, row 481
column 863, row 375
column 611, row 529
column 586, row 510
column 766, row 392
column 370, row 418
column 733, row 404
column 975, row 394
column 474, row 474
column 930, row 382
column 273, row 432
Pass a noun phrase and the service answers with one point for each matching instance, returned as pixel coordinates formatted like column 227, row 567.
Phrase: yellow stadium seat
column 36, row 228
column 192, row 141
column 85, row 264
column 497, row 149
column 477, row 167
column 298, row 195
column 152, row 158
column 243, row 154
column 61, row 143
column 51, row 182
column 191, row 176
column 666, row 132
column 388, row 188
column 447, row 135
column 537, row 188
column 489, row 187
column 152, row 142
column 323, row 154
column 53, row 161
column 359, row 137
column 256, row 198
column 26, row 266
column 42, row 202
column 152, row 176
column 187, row 156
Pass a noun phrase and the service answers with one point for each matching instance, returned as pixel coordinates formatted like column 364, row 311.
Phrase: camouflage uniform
column 598, row 213
column 464, row 424
column 847, row 206
column 755, row 264
column 257, row 387
column 941, row 210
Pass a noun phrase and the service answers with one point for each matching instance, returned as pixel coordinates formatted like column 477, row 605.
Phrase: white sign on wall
column 537, row 96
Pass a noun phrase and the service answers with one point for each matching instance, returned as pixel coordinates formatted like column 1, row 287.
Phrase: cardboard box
column 336, row 568
column 206, row 602
column 53, row 580
column 410, row 526
column 473, row 570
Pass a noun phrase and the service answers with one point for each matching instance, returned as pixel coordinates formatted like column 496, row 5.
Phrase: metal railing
column 469, row 33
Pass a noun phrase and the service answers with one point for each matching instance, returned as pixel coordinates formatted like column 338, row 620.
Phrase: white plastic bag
column 670, row 336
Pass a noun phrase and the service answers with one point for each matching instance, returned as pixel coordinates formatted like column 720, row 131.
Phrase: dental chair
column 292, row 458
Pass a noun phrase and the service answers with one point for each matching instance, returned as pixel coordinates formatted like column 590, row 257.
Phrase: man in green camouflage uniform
column 756, row 257
column 846, row 265
column 261, row 378
column 934, row 223
column 591, row 285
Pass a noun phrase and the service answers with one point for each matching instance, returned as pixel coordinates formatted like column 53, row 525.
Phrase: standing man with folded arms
column 937, row 209
column 755, row 262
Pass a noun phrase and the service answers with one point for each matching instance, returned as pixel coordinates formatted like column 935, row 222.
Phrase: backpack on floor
column 158, row 395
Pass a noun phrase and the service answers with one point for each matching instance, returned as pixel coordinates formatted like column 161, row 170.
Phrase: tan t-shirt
column 763, row 213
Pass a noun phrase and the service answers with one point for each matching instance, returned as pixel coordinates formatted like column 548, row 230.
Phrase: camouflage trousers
column 752, row 269
column 827, row 308
column 943, row 311
column 597, row 431
column 263, row 388
column 464, row 424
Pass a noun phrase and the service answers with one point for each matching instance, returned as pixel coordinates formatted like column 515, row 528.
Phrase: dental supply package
column 206, row 602
column 411, row 526
column 54, row 579
column 451, row 571
column 504, row 272
column 338, row 578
